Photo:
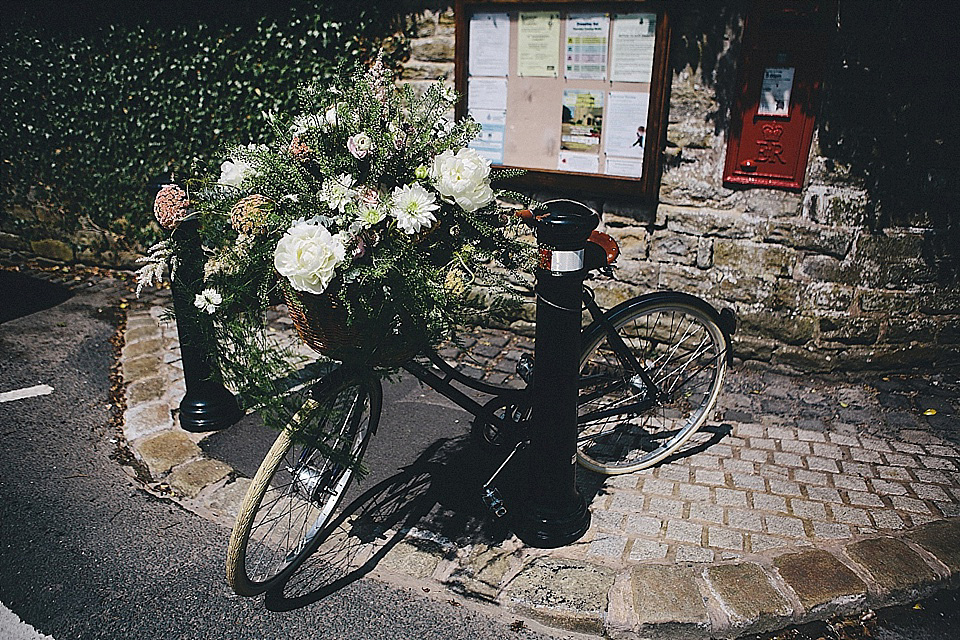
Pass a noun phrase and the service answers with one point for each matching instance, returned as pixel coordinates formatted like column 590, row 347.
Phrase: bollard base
column 547, row 529
column 209, row 408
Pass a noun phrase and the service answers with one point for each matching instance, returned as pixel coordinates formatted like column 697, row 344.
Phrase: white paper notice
column 775, row 92
column 487, row 93
column 489, row 44
column 625, row 124
column 586, row 46
column 579, row 162
column 538, row 43
column 634, row 37
column 628, row 167
column 489, row 143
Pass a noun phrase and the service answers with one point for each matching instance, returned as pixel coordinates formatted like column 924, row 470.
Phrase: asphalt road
column 85, row 552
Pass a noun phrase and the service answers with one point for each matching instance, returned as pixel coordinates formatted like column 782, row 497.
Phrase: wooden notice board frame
column 535, row 105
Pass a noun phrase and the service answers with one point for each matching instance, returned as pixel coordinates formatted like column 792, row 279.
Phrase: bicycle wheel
column 301, row 481
column 676, row 340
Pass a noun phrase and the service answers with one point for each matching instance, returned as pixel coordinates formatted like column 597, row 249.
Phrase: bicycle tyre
column 677, row 339
column 271, row 538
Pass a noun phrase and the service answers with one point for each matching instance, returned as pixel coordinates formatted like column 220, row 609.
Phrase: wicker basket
column 321, row 322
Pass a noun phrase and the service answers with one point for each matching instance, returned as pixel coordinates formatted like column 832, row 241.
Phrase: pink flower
column 299, row 149
column 359, row 145
column 170, row 206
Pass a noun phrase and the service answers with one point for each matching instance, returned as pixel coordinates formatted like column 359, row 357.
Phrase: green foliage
column 93, row 112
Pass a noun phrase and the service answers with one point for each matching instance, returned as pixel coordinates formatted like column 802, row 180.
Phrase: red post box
column 772, row 122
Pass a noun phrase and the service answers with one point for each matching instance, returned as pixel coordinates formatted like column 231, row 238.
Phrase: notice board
column 574, row 93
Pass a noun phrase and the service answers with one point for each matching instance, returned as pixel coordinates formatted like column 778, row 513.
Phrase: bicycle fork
column 490, row 494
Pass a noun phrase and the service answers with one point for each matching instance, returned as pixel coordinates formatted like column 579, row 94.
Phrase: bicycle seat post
column 554, row 513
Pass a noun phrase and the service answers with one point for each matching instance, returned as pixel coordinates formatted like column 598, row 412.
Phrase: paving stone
column 602, row 519
column 683, row 531
column 888, row 488
column 816, row 463
column 750, row 430
column 824, row 494
column 818, row 578
column 723, row 538
column 770, row 471
column 707, row 512
column 933, row 462
column 693, row 492
column 895, row 567
column 900, row 459
column 787, row 459
column 224, row 502
column 676, row 472
column 795, row 446
column 807, row 509
column 844, row 439
column 191, row 478
column 768, row 502
column 562, row 593
column 665, row 507
column 830, row 530
column 166, row 450
column 731, row 497
column 608, row 546
column 780, row 433
column 887, row 519
column 146, row 390
column 658, row 486
column 141, row 367
column 864, row 455
column 749, row 597
column 784, row 526
column 931, row 476
column 146, row 419
column 825, row 450
column 811, row 434
column 746, row 481
column 482, row 573
column 851, row 515
column 413, row 557
column 763, row 443
column 643, row 525
column 668, row 596
column 929, row 492
column 745, row 519
column 643, row 549
column 144, row 347
column 858, row 469
column 908, row 447
column 906, row 503
column 742, row 466
column 875, row 444
column 760, row 543
column 629, row 502
column 754, row 455
column 694, row 554
column 784, row 487
column 893, row 473
column 710, row 477
column 852, row 483
column 810, row 477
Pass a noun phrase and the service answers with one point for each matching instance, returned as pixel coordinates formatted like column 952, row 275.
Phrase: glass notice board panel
column 575, row 93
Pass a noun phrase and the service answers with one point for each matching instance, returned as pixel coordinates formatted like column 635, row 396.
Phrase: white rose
column 359, row 145
column 463, row 178
column 308, row 256
column 232, row 172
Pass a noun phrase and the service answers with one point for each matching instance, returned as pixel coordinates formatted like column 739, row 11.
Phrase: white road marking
column 12, row 628
column 28, row 392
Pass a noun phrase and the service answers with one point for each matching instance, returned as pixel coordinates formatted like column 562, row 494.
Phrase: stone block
column 827, row 296
column 143, row 347
column 146, row 419
column 562, row 593
column 804, row 359
column 141, row 367
column 750, row 258
column 683, row 278
column 668, row 597
column 707, row 222
column 482, row 574
column 911, row 328
column 819, row 579
column 940, row 302
column 413, row 557
column 942, row 539
column 888, row 302
column 835, row 206
column 895, row 567
column 224, row 502
column 12, row 242
column 166, row 450
column 433, row 49
column 53, row 249
column 749, row 597
column 674, row 248
column 791, row 329
column 417, row 70
column 799, row 234
column 704, row 252
column 189, row 479
column 146, row 390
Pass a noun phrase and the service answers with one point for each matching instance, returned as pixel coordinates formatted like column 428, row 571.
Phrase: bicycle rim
column 682, row 350
column 299, row 485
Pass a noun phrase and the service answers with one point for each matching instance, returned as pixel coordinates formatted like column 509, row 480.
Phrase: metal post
column 554, row 513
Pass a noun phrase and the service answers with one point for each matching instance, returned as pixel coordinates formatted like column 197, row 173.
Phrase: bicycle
column 651, row 369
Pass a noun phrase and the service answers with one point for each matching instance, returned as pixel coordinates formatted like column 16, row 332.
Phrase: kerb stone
column 412, row 557
column 563, row 593
column 667, row 598
column 895, row 567
column 192, row 477
column 483, row 573
column 819, row 579
column 749, row 597
column 942, row 539
column 165, row 451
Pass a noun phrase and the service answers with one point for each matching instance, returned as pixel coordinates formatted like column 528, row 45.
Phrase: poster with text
column 538, row 43
column 626, row 123
column 489, row 44
column 489, row 142
column 586, row 46
column 582, row 121
column 633, row 40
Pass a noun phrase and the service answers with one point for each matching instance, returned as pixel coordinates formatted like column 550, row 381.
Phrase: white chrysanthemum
column 233, row 172
column 413, row 207
column 338, row 192
column 308, row 256
column 208, row 300
column 463, row 177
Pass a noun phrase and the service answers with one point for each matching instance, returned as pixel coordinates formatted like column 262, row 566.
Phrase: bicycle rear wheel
column 676, row 341
column 301, row 481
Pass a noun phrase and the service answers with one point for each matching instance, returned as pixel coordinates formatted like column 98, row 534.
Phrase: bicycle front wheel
column 675, row 341
column 301, row 481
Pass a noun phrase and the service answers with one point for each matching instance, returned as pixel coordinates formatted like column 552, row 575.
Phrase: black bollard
column 207, row 405
column 554, row 513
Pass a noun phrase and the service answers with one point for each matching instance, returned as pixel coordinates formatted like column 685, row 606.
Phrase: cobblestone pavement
column 807, row 496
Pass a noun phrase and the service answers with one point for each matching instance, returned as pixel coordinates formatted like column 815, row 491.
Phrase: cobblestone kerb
column 817, row 499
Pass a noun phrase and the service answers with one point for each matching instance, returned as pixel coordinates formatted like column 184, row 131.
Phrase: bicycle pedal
column 494, row 502
column 525, row 368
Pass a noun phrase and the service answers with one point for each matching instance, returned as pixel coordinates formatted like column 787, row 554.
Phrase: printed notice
column 775, row 91
column 489, row 142
column 489, row 44
column 626, row 123
column 538, row 43
column 634, row 37
column 626, row 167
column 579, row 162
column 582, row 120
column 586, row 46
column 487, row 93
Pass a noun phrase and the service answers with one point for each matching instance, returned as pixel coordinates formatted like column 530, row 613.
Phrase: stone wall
column 816, row 285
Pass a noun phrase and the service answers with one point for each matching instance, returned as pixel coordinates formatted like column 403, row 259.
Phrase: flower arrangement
column 368, row 214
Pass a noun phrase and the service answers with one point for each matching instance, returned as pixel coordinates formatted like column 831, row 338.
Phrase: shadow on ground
column 23, row 295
